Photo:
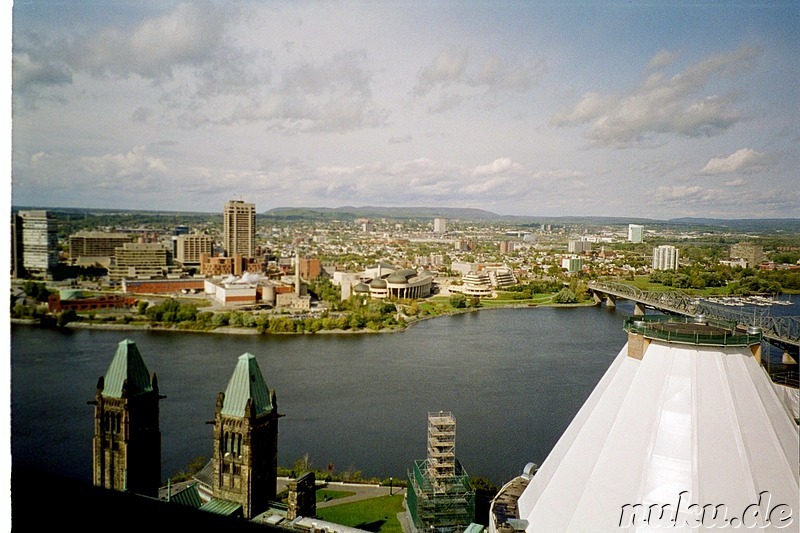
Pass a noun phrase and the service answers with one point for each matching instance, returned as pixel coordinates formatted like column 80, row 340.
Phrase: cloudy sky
column 639, row 109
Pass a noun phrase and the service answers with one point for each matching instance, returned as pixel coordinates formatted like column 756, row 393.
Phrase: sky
column 627, row 109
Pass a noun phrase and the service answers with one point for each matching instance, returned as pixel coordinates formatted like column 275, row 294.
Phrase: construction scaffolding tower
column 440, row 498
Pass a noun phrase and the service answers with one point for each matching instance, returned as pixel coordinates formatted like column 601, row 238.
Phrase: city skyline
column 537, row 109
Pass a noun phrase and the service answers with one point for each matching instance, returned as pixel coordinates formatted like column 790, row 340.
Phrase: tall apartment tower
column 239, row 228
column 665, row 257
column 439, row 226
column 39, row 242
column 127, row 437
column 246, row 440
column 635, row 233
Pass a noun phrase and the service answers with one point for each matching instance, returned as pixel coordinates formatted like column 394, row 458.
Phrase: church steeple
column 127, row 437
column 246, row 440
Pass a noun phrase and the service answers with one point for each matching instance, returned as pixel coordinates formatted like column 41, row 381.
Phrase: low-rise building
column 140, row 260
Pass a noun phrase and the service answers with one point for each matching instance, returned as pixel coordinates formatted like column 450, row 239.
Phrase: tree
column 565, row 296
column 66, row 317
column 458, row 300
column 142, row 306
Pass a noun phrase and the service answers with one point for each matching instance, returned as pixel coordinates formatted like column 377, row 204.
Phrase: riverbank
column 231, row 330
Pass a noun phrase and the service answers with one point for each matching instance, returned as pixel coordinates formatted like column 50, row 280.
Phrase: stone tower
column 127, row 437
column 246, row 440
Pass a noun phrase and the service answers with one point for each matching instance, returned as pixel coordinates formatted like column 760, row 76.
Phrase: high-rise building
column 245, row 461
column 39, row 242
column 127, row 436
column 635, row 233
column 17, row 270
column 665, row 257
column 239, row 228
column 579, row 246
column 439, row 226
column 752, row 253
column 190, row 248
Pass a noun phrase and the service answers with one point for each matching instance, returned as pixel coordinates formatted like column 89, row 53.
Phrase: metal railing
column 783, row 329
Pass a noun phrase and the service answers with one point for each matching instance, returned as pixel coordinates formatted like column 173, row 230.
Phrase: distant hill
column 744, row 225
column 352, row 212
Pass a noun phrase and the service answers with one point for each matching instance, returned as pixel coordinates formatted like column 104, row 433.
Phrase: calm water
column 513, row 378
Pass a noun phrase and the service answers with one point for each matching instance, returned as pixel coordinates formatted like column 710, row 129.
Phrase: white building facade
column 665, row 257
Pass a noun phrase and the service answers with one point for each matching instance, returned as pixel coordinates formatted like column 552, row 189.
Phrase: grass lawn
column 324, row 495
column 375, row 514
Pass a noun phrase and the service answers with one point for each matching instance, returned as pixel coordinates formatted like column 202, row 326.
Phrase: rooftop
column 691, row 330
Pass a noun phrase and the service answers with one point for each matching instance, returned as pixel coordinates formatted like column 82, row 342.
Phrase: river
column 513, row 379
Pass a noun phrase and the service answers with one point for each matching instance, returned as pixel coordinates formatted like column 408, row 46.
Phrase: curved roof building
column 685, row 415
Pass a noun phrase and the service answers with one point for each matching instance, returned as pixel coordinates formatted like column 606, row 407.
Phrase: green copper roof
column 221, row 507
column 126, row 365
column 246, row 382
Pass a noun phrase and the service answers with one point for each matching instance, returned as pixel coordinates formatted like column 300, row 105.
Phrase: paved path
column 362, row 491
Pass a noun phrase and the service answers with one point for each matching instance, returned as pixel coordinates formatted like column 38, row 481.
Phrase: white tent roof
column 684, row 418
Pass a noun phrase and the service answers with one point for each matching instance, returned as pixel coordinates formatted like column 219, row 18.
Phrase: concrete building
column 579, row 246
column 635, row 233
column 95, row 244
column 189, row 249
column 140, row 260
column 310, row 268
column 236, row 290
column 39, row 242
column 684, row 420
column 439, row 226
column 17, row 270
column 235, row 265
column 127, row 438
column 665, row 257
column 751, row 253
column 572, row 264
column 387, row 281
column 239, row 228
column 245, row 457
column 476, row 283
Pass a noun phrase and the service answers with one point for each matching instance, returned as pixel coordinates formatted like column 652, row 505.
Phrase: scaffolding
column 440, row 498
column 441, row 448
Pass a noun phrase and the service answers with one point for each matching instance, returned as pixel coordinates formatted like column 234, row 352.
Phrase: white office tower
column 684, row 419
column 665, row 257
column 239, row 229
column 635, row 233
column 439, row 226
column 39, row 242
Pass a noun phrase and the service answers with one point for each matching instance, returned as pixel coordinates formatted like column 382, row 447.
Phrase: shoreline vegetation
column 133, row 325
column 353, row 316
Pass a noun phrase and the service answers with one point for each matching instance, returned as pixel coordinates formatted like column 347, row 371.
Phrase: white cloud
column 678, row 192
column 738, row 182
column 495, row 167
column 453, row 77
column 446, row 68
column 135, row 163
column 745, row 160
column 661, row 105
column 663, row 58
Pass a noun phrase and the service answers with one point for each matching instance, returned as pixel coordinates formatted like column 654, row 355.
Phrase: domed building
column 386, row 281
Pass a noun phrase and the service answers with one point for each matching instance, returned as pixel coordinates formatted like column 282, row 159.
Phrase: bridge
column 781, row 331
